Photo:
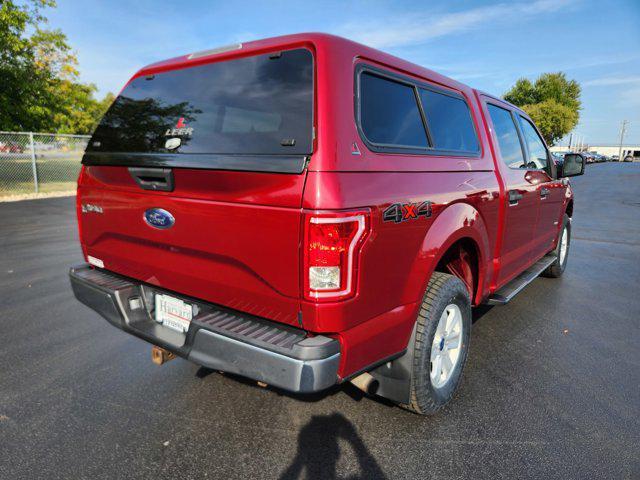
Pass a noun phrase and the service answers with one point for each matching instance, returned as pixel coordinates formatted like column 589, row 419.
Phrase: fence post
column 33, row 162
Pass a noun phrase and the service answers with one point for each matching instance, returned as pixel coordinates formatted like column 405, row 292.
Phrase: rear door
column 521, row 199
column 550, row 192
column 193, row 181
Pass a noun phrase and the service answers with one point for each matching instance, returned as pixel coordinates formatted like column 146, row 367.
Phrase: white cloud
column 600, row 61
column 411, row 29
column 614, row 80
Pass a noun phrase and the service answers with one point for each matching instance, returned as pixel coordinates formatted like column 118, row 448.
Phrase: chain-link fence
column 39, row 162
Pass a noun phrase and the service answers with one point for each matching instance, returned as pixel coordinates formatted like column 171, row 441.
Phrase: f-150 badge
column 401, row 212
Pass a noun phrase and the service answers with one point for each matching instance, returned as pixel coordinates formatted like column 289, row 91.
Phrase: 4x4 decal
column 400, row 212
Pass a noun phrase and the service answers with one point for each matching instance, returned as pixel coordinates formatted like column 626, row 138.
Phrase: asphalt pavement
column 551, row 388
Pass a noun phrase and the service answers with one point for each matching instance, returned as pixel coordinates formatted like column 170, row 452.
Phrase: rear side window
column 507, row 136
column 389, row 113
column 402, row 115
column 537, row 150
column 258, row 105
column 449, row 122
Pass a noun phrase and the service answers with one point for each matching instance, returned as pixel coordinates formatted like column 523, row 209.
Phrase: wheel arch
column 458, row 226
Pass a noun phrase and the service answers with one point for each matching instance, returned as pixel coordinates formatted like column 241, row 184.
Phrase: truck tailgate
column 235, row 240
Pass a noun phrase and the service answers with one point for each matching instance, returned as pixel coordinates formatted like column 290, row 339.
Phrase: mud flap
column 392, row 380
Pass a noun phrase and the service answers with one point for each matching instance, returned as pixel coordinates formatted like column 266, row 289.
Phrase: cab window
column 537, row 151
column 507, row 136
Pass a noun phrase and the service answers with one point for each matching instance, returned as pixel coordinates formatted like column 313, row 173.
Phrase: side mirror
column 572, row 166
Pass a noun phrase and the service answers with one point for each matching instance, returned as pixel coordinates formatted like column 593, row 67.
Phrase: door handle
column 544, row 193
column 514, row 197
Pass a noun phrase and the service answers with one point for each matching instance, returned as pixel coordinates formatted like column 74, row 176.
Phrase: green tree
column 21, row 91
column 552, row 101
column 522, row 93
column 40, row 90
column 552, row 118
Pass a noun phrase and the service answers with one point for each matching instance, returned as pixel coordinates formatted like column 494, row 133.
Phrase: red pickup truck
column 305, row 211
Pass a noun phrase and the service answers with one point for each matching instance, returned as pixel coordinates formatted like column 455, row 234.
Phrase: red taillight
column 331, row 250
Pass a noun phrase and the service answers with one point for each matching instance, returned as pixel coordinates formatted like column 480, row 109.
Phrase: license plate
column 173, row 312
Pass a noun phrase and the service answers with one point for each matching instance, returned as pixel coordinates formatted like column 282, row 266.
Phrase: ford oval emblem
column 159, row 218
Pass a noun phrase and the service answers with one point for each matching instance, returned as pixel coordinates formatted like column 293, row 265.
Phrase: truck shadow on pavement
column 319, row 450
column 480, row 311
column 347, row 388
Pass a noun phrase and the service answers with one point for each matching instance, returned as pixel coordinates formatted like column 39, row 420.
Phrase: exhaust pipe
column 160, row 355
column 365, row 382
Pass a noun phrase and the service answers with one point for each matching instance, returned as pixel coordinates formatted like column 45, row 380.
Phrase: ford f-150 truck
column 305, row 211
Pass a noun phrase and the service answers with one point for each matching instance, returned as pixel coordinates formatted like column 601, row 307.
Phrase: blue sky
column 487, row 45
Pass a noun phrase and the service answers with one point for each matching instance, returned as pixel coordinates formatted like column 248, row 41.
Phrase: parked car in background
column 588, row 156
column 312, row 211
column 615, row 158
column 631, row 155
column 11, row 147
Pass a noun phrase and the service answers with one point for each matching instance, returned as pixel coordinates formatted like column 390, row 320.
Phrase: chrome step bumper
column 218, row 338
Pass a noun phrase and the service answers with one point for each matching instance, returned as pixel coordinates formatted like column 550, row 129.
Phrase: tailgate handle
column 159, row 179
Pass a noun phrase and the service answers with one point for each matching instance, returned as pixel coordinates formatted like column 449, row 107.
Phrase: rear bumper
column 218, row 338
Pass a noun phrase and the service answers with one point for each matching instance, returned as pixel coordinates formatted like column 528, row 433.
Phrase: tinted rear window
column 249, row 106
column 389, row 113
column 449, row 122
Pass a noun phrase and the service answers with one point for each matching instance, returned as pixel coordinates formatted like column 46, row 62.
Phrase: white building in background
column 632, row 150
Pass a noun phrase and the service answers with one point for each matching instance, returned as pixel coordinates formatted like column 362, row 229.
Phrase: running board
column 511, row 289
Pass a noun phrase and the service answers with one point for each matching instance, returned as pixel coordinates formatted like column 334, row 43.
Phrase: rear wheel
column 441, row 343
column 556, row 269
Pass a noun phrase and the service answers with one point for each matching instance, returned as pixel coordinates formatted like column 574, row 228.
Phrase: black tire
column 556, row 269
column 442, row 291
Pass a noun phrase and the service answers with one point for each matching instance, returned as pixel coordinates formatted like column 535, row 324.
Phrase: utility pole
column 623, row 130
